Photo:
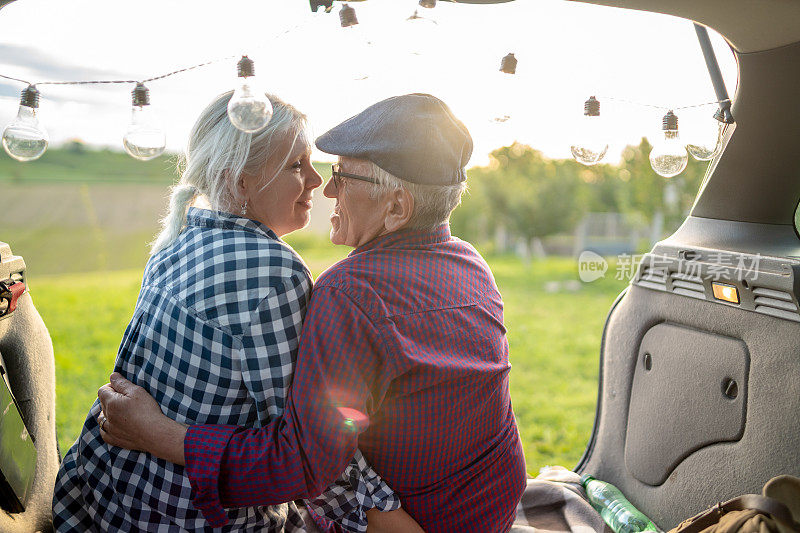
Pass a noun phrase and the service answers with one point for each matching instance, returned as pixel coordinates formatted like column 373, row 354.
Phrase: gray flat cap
column 414, row 137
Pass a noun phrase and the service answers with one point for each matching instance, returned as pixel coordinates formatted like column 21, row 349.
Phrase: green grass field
column 554, row 339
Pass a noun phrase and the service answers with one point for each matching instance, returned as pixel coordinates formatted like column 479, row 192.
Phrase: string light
column 144, row 139
column 668, row 156
column 357, row 45
column 249, row 108
column 504, row 89
column 592, row 143
column 22, row 146
column 25, row 139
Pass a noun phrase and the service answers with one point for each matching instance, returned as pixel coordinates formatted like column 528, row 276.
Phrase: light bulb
column 421, row 29
column 25, row 139
column 704, row 140
column 357, row 45
column 144, row 139
column 249, row 108
column 668, row 156
column 591, row 144
column 503, row 97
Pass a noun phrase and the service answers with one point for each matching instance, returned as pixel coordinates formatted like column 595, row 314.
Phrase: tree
column 528, row 196
column 524, row 192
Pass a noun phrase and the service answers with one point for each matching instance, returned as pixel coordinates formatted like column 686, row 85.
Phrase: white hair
column 218, row 153
column 433, row 204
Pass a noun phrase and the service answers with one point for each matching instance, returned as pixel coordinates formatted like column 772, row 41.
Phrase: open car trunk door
column 699, row 398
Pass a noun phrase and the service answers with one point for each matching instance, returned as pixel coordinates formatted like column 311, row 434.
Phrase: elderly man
column 403, row 353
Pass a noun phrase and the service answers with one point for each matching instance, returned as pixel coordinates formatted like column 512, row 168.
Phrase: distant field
column 68, row 225
column 80, row 165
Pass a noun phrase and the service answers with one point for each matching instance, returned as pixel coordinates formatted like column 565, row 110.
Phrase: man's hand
column 132, row 419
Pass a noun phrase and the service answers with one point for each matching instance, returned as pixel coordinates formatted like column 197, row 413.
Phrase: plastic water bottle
column 620, row 514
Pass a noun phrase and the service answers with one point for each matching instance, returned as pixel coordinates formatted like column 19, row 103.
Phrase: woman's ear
column 239, row 186
column 399, row 208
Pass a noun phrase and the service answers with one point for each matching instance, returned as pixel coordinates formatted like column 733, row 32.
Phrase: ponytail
column 171, row 225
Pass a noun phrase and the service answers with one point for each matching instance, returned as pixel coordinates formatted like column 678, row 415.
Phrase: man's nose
column 330, row 189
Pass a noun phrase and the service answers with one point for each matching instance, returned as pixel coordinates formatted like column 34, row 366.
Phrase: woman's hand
column 132, row 419
column 397, row 521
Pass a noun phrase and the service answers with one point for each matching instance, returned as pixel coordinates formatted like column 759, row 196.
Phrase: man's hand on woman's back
column 132, row 419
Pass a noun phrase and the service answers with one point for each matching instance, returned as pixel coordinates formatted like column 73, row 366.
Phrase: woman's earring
column 244, row 208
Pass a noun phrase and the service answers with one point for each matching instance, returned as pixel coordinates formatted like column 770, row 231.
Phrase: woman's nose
column 313, row 180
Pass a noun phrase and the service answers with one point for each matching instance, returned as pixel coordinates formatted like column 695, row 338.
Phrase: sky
column 566, row 52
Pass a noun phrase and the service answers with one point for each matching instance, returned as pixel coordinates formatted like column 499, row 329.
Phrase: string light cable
column 656, row 106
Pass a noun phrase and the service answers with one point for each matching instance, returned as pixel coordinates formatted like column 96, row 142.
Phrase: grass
column 78, row 164
column 554, row 340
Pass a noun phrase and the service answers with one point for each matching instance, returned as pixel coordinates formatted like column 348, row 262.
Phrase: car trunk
column 699, row 397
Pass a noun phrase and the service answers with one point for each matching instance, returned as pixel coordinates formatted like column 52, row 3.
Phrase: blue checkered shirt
column 213, row 338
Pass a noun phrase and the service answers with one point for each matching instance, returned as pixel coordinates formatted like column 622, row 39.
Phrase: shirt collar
column 196, row 216
column 406, row 238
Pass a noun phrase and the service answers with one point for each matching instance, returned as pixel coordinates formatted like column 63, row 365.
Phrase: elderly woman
column 214, row 335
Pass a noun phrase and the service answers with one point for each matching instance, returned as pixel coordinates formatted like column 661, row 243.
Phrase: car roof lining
column 748, row 26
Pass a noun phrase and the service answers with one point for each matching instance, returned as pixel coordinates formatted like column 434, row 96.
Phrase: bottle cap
column 586, row 478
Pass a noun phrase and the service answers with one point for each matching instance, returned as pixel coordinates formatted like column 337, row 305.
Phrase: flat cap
column 415, row 137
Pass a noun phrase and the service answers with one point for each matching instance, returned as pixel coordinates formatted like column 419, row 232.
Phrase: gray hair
column 218, row 153
column 433, row 204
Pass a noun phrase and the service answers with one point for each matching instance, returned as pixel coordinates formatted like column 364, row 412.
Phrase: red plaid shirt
column 404, row 355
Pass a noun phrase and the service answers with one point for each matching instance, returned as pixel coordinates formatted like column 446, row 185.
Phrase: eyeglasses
column 337, row 175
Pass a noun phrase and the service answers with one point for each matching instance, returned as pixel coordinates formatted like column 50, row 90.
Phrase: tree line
column 529, row 196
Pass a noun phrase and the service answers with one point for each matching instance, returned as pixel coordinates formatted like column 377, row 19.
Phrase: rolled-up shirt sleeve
column 299, row 454
column 205, row 445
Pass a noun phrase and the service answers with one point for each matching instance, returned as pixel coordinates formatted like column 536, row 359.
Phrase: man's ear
column 399, row 208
